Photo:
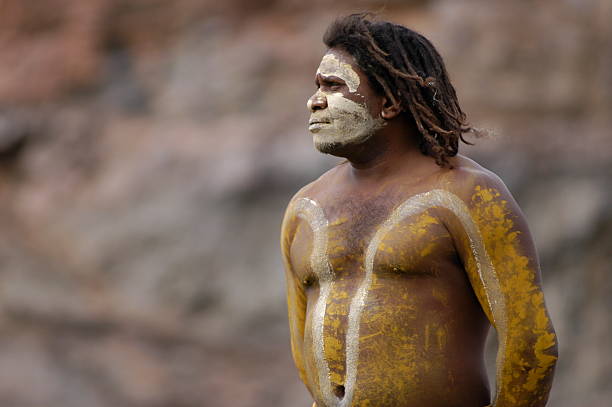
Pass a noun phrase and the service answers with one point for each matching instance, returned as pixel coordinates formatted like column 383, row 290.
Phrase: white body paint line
column 310, row 211
column 313, row 214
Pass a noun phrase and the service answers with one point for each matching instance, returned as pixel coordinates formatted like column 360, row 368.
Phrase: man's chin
column 330, row 147
column 337, row 148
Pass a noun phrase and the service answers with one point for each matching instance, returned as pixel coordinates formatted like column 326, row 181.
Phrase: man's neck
column 394, row 149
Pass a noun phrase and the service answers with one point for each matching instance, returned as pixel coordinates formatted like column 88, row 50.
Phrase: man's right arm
column 296, row 297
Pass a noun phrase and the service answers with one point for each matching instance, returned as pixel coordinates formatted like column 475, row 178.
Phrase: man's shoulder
column 468, row 177
column 315, row 188
column 482, row 189
column 319, row 185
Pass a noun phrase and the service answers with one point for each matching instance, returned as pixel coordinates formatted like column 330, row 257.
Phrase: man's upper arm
column 296, row 297
column 500, row 259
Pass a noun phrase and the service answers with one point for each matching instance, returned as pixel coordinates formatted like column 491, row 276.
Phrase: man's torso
column 391, row 317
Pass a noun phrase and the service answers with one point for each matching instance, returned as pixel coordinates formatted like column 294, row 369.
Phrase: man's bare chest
column 390, row 239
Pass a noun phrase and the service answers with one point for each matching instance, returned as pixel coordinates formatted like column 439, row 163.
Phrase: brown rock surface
column 148, row 148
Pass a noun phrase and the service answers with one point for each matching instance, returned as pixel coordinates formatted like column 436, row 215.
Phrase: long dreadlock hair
column 405, row 67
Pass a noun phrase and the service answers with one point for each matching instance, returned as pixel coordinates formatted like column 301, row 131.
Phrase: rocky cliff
column 148, row 148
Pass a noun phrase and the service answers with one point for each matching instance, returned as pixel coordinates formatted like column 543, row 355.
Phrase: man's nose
column 317, row 101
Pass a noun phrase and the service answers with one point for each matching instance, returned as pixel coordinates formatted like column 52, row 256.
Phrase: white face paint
column 331, row 65
column 343, row 122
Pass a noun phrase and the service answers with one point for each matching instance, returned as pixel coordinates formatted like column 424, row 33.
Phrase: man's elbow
column 547, row 347
column 537, row 360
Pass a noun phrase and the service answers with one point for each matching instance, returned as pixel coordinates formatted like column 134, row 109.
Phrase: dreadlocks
column 405, row 67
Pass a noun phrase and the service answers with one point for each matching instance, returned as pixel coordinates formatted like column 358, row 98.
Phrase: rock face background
column 148, row 148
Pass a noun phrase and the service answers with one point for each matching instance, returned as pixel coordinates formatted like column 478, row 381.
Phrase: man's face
column 344, row 110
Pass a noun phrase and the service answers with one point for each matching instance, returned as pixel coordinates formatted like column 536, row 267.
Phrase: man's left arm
column 500, row 258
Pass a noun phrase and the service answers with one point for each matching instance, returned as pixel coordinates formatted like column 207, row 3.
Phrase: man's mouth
column 318, row 121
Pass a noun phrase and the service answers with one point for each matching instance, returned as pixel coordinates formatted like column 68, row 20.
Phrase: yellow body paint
column 312, row 213
column 415, row 205
column 364, row 334
column 492, row 214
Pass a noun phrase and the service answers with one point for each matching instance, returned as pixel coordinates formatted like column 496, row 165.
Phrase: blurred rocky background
column 148, row 149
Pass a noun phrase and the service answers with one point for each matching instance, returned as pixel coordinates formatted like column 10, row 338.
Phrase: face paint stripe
column 332, row 66
column 346, row 122
column 336, row 121
column 313, row 214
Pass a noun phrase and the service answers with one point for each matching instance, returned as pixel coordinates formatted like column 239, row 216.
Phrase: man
column 399, row 259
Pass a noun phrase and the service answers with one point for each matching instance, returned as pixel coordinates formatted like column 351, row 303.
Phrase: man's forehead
column 332, row 65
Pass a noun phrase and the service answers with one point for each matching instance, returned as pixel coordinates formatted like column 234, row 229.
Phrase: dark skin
column 432, row 296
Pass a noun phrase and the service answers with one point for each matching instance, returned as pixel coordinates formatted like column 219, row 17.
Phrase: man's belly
column 401, row 342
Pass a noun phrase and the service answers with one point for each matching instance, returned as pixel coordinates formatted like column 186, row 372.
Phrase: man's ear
column 389, row 109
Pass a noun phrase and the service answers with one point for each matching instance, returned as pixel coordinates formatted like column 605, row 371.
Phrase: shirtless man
column 400, row 259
